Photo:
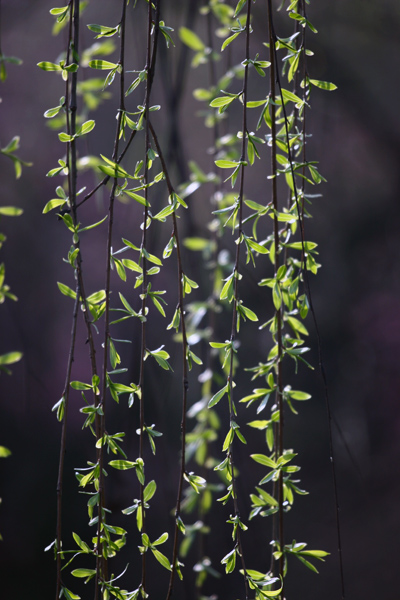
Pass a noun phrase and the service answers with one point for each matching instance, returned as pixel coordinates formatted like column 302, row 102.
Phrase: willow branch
column 150, row 66
column 309, row 297
column 185, row 382
column 278, row 315
column 150, row 78
column 101, row 563
column 236, row 292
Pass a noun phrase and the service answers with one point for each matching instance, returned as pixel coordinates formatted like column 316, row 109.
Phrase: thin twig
column 185, row 382
column 309, row 297
column 101, row 566
column 279, row 390
column 149, row 70
column 236, row 293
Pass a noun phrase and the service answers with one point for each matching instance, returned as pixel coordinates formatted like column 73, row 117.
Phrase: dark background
column 356, row 296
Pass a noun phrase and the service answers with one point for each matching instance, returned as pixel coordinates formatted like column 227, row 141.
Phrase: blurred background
column 356, row 296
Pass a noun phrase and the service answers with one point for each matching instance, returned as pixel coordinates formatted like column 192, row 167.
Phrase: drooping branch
column 150, row 67
column 278, row 316
column 185, row 382
column 236, row 272
column 101, row 563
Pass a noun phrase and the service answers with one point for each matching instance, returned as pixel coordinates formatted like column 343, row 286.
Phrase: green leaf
column 64, row 289
column 297, row 395
column 297, row 325
column 267, row 497
column 192, row 40
column 96, row 297
column 217, row 397
column 161, row 540
column 82, row 545
column 55, row 203
column 320, row 554
column 229, row 561
column 258, row 424
column 239, row 7
column 277, row 295
column 79, row 385
column 64, row 137
column 70, row 595
column 102, row 30
column 229, row 40
column 136, row 197
column 228, row 440
column 86, row 127
column 196, row 243
column 10, row 211
column 122, row 465
column 115, row 171
column 58, row 11
column 4, row 452
column 10, row 358
column 84, row 572
column 165, row 212
column 49, row 66
column 248, row 314
column 264, row 460
column 149, row 491
column 162, row 559
column 93, row 225
column 222, row 101
column 226, row 164
column 323, row 85
column 289, row 96
column 102, row 64
column 307, row 563
column 202, row 94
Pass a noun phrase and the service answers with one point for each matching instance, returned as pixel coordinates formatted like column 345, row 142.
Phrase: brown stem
column 236, row 295
column 150, row 78
column 185, row 382
column 278, row 316
column 150, row 66
column 63, row 444
column 65, row 394
column 101, row 562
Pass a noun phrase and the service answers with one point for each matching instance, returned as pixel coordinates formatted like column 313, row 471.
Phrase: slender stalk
column 71, row 103
column 63, row 444
column 149, row 80
column 185, row 382
column 236, row 293
column 320, row 357
column 300, row 211
column 101, row 562
column 278, row 315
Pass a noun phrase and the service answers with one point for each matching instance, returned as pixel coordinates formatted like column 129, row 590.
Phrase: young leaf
column 191, row 39
column 323, row 85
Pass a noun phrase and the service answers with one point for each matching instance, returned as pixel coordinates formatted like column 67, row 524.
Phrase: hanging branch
column 150, row 78
column 234, row 328
column 319, row 345
column 150, row 67
column 278, row 439
column 185, row 349
column 303, row 266
column 71, row 104
column 64, row 414
column 65, row 394
column 101, row 562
